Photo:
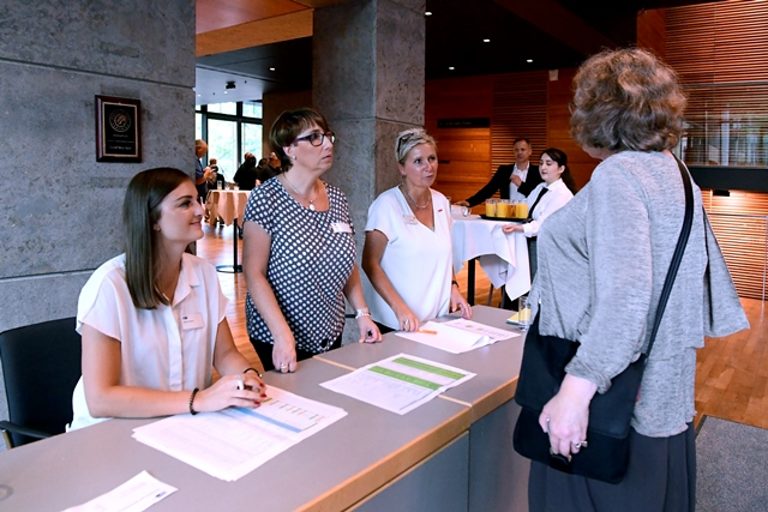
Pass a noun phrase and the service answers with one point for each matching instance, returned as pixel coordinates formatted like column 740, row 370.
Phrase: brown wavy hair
column 627, row 99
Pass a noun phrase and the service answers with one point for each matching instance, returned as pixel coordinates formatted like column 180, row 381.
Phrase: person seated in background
column 264, row 171
column 153, row 320
column 299, row 251
column 407, row 255
column 514, row 182
column 218, row 175
column 549, row 196
column 246, row 175
column 275, row 164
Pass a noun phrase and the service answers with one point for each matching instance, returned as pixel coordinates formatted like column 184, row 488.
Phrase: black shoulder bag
column 606, row 455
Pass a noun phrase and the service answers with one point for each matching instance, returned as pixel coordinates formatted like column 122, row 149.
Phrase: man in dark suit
column 514, row 181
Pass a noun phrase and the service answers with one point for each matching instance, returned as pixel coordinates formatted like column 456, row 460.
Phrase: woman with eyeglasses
column 299, row 250
column 411, row 223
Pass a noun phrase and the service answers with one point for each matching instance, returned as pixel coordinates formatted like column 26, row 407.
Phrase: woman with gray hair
column 411, row 223
column 603, row 259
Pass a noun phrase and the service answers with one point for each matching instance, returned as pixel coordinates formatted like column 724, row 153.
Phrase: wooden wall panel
column 559, row 94
column 464, row 153
column 740, row 223
column 652, row 30
column 519, row 110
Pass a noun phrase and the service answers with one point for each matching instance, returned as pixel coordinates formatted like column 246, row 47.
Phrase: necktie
column 533, row 207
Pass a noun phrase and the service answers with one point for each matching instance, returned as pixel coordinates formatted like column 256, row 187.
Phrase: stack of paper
column 457, row 336
column 399, row 383
column 231, row 443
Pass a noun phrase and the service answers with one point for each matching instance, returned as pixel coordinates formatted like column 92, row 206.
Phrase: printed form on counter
column 399, row 383
column 457, row 336
column 231, row 443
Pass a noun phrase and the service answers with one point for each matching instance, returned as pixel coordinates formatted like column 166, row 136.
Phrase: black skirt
column 661, row 478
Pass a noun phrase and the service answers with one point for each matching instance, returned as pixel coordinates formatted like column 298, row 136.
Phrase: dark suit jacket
column 500, row 183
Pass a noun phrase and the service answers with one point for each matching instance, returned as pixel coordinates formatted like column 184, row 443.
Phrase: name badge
column 341, row 227
column 192, row 321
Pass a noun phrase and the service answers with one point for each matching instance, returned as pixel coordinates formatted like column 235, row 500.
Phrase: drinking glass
column 524, row 311
column 490, row 207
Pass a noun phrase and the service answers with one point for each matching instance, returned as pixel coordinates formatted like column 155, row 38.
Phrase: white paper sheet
column 231, row 443
column 457, row 336
column 137, row 494
column 399, row 383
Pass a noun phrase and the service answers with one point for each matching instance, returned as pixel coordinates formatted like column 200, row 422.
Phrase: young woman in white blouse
column 153, row 320
column 548, row 196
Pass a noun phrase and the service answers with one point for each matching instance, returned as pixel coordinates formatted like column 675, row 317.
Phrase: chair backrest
column 41, row 366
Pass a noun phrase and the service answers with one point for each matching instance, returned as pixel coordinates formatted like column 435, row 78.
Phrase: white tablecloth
column 227, row 204
column 503, row 257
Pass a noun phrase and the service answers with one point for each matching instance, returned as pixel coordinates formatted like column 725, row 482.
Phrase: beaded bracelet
column 192, row 410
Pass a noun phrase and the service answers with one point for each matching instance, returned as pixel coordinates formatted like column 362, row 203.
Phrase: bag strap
column 677, row 256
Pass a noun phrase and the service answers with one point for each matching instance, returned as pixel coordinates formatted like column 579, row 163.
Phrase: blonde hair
column 408, row 139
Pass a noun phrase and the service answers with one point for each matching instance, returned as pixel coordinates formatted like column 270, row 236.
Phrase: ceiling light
column 428, row 13
column 528, row 60
column 451, row 68
column 230, row 84
column 486, row 40
column 272, row 68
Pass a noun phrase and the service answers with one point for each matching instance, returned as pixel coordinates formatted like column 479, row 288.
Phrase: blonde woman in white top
column 407, row 255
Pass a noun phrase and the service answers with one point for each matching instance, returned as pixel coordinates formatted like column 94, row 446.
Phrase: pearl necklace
column 413, row 203
column 301, row 198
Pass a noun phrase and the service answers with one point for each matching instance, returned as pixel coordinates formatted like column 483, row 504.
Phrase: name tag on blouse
column 192, row 321
column 341, row 227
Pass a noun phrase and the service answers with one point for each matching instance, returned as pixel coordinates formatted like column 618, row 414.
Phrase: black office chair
column 41, row 366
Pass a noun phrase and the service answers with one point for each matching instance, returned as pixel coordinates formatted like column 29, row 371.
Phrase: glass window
column 222, row 145
column 252, row 133
column 223, row 108
column 198, row 125
column 252, row 109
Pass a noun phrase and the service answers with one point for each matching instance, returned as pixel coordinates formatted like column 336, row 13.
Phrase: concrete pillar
column 368, row 80
column 61, row 208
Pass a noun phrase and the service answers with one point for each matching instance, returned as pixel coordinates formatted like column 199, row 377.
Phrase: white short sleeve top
column 417, row 260
column 170, row 347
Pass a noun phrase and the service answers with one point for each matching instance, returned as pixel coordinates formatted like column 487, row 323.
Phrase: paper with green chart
column 399, row 383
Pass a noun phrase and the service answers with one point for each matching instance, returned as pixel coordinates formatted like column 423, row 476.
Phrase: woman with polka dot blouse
column 299, row 250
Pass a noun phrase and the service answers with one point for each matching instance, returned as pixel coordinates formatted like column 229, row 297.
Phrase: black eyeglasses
column 317, row 138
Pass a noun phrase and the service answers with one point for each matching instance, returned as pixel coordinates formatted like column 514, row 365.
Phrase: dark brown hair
column 561, row 159
column 141, row 211
column 627, row 100
column 288, row 126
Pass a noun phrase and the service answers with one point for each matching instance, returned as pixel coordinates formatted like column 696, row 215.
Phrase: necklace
column 413, row 203
column 310, row 200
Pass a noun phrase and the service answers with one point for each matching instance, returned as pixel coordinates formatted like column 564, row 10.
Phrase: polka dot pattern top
column 310, row 260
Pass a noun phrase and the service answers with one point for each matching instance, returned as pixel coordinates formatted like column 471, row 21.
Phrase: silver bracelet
column 362, row 312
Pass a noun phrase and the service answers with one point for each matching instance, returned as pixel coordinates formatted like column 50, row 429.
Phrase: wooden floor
column 731, row 377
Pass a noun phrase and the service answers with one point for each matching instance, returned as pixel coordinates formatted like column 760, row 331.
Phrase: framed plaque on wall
column 118, row 129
